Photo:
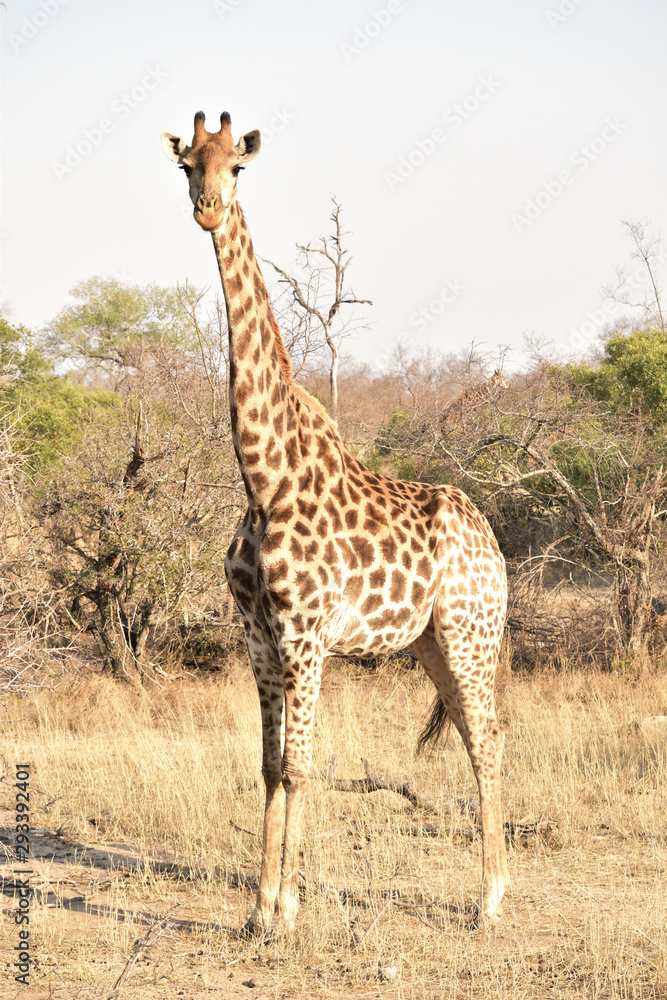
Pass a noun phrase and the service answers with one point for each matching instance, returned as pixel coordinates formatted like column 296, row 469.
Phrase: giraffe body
column 473, row 397
column 332, row 558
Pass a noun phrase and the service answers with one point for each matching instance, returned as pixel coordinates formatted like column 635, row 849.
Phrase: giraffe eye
column 236, row 169
column 188, row 170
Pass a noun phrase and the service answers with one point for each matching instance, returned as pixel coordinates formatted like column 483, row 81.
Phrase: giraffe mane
column 283, row 357
column 313, row 404
column 301, row 394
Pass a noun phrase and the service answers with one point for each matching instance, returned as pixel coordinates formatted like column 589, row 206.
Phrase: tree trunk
column 632, row 596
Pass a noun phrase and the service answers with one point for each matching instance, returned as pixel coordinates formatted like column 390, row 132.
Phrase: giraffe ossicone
column 333, row 559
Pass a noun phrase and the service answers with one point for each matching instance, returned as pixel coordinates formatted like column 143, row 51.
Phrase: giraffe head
column 212, row 163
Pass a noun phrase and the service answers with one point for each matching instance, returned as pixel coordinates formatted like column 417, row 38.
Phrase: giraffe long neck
column 264, row 410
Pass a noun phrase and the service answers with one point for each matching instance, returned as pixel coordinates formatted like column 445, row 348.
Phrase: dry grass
column 143, row 789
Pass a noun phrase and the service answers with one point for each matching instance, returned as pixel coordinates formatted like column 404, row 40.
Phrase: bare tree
column 626, row 290
column 324, row 279
column 563, row 479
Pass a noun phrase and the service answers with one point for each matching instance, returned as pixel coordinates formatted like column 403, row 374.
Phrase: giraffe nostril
column 208, row 202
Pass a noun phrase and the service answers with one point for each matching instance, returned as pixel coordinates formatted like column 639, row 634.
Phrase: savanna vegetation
column 126, row 685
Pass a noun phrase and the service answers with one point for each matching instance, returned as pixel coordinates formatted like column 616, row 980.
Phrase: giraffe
column 473, row 397
column 333, row 559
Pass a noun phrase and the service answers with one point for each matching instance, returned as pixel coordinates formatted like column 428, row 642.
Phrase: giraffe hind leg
column 467, row 699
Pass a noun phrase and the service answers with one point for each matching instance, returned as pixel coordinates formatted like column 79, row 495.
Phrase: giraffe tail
column 438, row 721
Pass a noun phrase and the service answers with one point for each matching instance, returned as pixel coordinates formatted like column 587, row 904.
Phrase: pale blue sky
column 354, row 100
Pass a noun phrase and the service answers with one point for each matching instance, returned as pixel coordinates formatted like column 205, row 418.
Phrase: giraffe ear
column 174, row 147
column 248, row 146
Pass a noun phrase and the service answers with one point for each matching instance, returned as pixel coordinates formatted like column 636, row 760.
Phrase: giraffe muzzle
column 208, row 212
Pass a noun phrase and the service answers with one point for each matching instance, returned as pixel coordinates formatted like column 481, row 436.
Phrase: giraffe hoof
column 252, row 929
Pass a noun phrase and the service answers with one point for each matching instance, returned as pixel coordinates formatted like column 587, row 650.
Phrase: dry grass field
column 146, row 810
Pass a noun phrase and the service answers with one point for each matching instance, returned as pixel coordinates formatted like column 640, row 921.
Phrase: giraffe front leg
column 302, row 685
column 268, row 675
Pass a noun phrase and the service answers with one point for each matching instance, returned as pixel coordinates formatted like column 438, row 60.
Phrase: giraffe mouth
column 208, row 220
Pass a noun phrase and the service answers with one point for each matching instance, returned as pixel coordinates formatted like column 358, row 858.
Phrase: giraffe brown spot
column 338, row 492
column 417, row 593
column 302, row 529
column 364, row 550
column 277, row 572
column 281, row 515
column 305, row 585
column 283, row 490
column 276, row 397
column 324, row 576
column 322, row 527
column 330, row 555
column 247, row 552
column 355, row 497
column 377, row 578
column 389, row 550
column 249, row 438
column 378, row 623
column 326, row 456
column 259, row 481
column 402, row 617
column 397, row 592
column 424, row 568
column 244, row 580
column 406, row 560
column 306, row 509
column 332, row 511
column 244, row 391
column 273, row 458
column 243, row 342
column 272, row 541
column 320, row 482
column 305, row 480
column 264, row 415
column 415, row 546
column 372, row 603
column 251, row 458
column 375, row 520
column 351, row 518
column 292, row 453
column 296, row 548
